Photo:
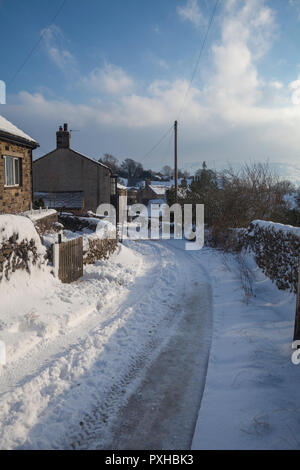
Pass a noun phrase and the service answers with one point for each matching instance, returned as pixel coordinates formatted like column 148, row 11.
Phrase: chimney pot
column 63, row 137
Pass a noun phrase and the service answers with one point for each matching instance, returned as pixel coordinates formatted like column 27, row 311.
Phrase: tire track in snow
column 122, row 426
column 59, row 379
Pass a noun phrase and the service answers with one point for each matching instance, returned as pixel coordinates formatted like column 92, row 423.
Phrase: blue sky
column 118, row 71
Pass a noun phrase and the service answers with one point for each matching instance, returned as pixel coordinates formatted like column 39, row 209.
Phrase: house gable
column 65, row 170
column 15, row 147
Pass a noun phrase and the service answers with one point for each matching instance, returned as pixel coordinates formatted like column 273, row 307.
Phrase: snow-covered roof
column 168, row 184
column 121, row 186
column 123, row 181
column 9, row 128
column 159, row 190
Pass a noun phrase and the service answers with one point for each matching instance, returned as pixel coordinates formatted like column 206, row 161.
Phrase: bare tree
column 110, row 161
column 167, row 171
column 132, row 168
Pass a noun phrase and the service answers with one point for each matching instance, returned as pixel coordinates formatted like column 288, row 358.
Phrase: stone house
column 15, row 168
column 152, row 191
column 66, row 179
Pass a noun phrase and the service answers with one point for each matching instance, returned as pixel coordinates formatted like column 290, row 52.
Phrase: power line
column 36, row 45
column 157, row 144
column 199, row 55
column 191, row 80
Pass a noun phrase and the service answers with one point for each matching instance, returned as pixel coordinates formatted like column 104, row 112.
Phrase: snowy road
column 128, row 372
column 118, row 360
column 161, row 413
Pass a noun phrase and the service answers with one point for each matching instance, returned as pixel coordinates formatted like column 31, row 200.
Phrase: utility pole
column 297, row 316
column 175, row 162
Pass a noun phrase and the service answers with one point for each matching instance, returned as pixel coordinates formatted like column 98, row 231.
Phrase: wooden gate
column 69, row 265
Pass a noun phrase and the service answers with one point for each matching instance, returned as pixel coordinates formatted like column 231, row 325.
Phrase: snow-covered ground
column 251, row 398
column 119, row 358
column 79, row 351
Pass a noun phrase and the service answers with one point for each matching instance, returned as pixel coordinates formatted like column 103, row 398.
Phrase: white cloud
column 110, row 79
column 191, row 12
column 295, row 4
column 236, row 116
column 276, row 84
column 54, row 42
column 156, row 61
column 295, row 87
column 236, row 79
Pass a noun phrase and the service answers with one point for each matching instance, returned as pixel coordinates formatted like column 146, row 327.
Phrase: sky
column 120, row 72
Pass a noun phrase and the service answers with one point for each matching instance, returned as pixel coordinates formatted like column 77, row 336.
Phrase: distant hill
column 285, row 170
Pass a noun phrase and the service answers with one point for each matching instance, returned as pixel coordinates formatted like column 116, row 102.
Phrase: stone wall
column 16, row 199
column 99, row 249
column 94, row 248
column 277, row 249
column 46, row 223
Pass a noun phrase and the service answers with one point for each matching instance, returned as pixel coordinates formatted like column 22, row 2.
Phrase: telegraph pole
column 297, row 316
column 175, row 162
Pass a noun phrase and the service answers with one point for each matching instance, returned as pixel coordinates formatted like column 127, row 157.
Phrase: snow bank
column 20, row 226
column 251, row 398
column 20, row 247
column 62, row 337
column 101, row 228
column 35, row 215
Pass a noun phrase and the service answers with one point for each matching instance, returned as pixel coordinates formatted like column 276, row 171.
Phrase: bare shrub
column 234, row 198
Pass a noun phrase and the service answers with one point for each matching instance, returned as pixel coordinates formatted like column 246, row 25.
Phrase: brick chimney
column 63, row 137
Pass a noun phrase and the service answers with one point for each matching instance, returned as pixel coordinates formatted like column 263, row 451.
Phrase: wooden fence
column 68, row 259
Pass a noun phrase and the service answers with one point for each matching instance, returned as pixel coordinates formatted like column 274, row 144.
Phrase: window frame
column 16, row 175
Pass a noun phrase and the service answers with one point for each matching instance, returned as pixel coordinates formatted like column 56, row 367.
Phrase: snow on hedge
column 21, row 227
column 276, row 248
column 268, row 225
column 20, row 247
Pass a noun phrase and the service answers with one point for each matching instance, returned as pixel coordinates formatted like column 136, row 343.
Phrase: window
column 12, row 167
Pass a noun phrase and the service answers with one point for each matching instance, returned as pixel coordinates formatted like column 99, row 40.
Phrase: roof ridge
column 8, row 127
